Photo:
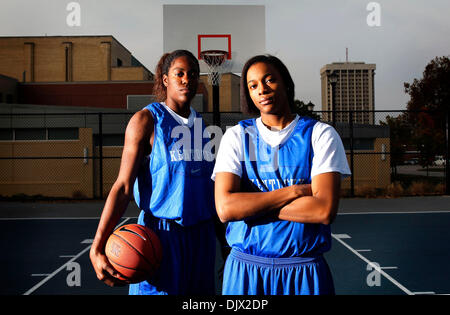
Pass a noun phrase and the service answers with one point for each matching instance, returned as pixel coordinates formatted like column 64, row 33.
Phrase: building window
column 359, row 144
column 39, row 134
column 63, row 134
column 30, row 134
column 119, row 62
column 110, row 140
column 6, row 134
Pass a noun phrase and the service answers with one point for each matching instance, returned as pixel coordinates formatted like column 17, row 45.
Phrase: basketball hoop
column 216, row 60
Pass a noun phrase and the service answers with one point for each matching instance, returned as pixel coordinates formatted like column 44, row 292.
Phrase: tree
column 400, row 135
column 429, row 104
column 302, row 109
column 432, row 91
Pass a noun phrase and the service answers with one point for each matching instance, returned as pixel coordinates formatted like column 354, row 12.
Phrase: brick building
column 85, row 71
column 69, row 59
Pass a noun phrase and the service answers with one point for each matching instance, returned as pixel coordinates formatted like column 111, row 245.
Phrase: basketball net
column 217, row 63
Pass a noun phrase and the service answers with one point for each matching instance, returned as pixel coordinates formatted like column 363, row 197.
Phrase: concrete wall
column 229, row 97
column 111, row 165
column 47, row 177
column 370, row 170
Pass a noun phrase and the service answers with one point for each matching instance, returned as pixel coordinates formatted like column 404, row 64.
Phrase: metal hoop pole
column 216, row 107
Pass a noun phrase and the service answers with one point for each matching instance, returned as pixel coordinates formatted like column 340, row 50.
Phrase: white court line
column 51, row 275
column 395, row 282
column 425, row 293
column 363, row 250
column 343, row 236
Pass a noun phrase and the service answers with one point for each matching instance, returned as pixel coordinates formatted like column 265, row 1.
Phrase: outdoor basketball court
column 395, row 247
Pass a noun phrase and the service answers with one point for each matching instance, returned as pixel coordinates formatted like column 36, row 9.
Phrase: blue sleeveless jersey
column 174, row 182
column 266, row 169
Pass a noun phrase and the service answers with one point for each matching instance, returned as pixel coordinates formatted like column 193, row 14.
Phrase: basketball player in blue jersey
column 277, row 184
column 171, row 184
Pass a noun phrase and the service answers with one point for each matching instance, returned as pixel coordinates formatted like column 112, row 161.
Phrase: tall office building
column 354, row 89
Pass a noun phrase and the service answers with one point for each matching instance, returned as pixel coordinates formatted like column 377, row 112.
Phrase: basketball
column 134, row 251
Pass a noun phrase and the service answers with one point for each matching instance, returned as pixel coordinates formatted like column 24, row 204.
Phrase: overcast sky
column 305, row 34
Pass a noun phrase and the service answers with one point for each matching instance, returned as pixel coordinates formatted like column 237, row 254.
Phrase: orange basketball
column 134, row 251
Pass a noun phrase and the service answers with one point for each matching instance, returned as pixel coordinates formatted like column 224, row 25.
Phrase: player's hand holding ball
column 135, row 252
column 132, row 254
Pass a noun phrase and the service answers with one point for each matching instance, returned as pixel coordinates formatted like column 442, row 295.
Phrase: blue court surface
column 384, row 247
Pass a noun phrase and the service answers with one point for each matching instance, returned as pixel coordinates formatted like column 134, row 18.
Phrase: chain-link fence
column 60, row 155
column 77, row 155
column 394, row 153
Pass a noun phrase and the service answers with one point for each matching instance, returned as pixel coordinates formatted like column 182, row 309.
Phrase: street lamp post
column 332, row 79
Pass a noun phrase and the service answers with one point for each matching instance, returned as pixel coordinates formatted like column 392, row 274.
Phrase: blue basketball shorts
column 246, row 274
column 188, row 263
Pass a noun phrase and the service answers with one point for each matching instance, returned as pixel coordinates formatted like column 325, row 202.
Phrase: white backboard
column 238, row 29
